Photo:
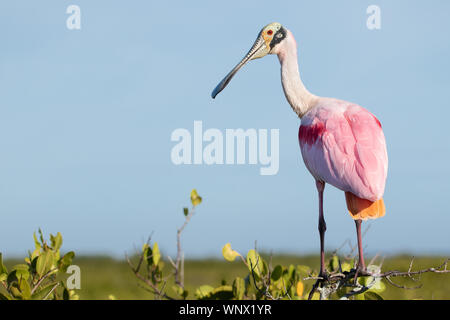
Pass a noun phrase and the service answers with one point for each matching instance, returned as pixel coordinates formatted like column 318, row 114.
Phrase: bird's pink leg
column 322, row 227
column 361, row 264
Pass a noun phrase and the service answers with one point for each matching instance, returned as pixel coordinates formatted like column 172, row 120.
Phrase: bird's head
column 267, row 42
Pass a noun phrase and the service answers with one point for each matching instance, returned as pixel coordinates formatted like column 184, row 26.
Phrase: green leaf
column 346, row 267
column 22, row 271
column 290, row 277
column 203, row 291
column 303, row 270
column 315, row 296
column 36, row 242
column 277, row 273
column 195, row 198
column 12, row 278
column 41, row 236
column 4, row 297
column 228, row 253
column 25, row 289
column 364, row 281
column 370, row 295
column 334, row 263
column 178, row 289
column 222, row 293
column 15, row 292
column 66, row 261
column 341, row 292
column 255, row 263
column 44, row 263
column 378, row 287
column 148, row 253
column 35, row 253
column 360, row 296
column 66, row 294
column 291, row 272
column 56, row 241
column 185, row 211
column 156, row 254
column 239, row 288
column 3, row 270
column 248, row 283
column 265, row 269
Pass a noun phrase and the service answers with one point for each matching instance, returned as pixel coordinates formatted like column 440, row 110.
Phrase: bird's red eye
column 270, row 32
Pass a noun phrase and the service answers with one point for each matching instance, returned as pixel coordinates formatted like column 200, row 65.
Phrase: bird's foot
column 359, row 271
column 322, row 278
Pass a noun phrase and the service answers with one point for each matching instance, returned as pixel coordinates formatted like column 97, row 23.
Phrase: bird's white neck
column 300, row 99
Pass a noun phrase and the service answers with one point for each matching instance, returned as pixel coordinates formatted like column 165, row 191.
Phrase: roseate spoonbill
column 341, row 143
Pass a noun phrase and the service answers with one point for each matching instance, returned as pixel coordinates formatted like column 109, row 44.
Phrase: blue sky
column 86, row 118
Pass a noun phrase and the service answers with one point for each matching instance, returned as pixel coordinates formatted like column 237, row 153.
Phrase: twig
column 159, row 292
column 171, row 261
column 388, row 278
column 409, row 272
column 179, row 264
column 50, row 292
column 45, row 276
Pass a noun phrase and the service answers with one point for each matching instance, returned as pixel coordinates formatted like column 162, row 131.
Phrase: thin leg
column 361, row 264
column 322, row 227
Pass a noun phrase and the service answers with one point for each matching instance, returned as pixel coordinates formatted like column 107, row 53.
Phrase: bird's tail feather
column 362, row 209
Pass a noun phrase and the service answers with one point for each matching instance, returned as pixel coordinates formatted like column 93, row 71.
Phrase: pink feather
column 343, row 144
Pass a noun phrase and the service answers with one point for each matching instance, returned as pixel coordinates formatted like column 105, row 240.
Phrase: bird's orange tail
column 362, row 209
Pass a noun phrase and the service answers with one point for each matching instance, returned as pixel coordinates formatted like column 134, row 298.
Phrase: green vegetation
column 105, row 276
column 41, row 275
column 44, row 274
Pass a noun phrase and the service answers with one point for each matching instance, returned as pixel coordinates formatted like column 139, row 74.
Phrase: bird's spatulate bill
column 258, row 50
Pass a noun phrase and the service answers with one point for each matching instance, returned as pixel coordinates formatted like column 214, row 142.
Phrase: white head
column 269, row 41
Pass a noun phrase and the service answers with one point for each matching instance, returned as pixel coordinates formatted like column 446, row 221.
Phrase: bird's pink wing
column 345, row 147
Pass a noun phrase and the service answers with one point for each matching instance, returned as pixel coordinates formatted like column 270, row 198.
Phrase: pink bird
column 342, row 144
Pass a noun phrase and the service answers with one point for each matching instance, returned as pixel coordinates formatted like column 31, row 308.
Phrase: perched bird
column 341, row 143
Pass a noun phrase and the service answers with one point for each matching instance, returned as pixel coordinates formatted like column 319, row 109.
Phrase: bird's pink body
column 343, row 144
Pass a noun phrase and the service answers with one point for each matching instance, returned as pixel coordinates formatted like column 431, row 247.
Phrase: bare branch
column 337, row 280
column 179, row 264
